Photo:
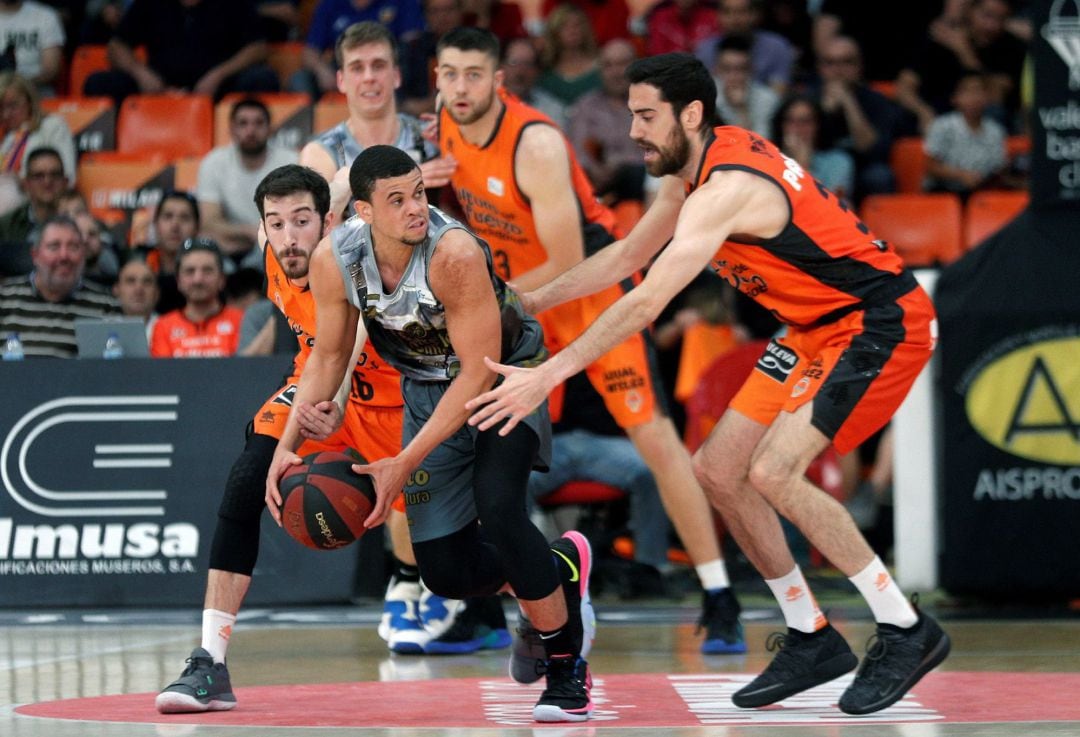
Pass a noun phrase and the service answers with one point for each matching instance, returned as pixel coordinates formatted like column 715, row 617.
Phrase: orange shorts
column 625, row 377
column 856, row 370
column 373, row 432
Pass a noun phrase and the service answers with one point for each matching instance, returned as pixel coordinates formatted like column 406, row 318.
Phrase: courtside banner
column 111, row 473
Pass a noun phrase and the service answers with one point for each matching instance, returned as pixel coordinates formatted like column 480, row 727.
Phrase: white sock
column 800, row 609
column 885, row 598
column 216, row 630
column 713, row 575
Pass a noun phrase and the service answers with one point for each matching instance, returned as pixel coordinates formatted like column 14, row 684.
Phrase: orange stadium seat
column 1017, row 146
column 885, row 87
column 988, row 211
column 286, row 110
column 925, row 229
column 112, row 185
column 92, row 120
column 173, row 125
column 329, row 111
column 186, row 175
column 90, row 58
column 908, row 162
column 285, row 59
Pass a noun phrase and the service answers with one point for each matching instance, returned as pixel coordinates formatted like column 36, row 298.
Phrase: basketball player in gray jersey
column 433, row 307
column 413, row 620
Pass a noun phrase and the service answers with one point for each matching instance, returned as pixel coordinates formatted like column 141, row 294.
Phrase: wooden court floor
column 996, row 683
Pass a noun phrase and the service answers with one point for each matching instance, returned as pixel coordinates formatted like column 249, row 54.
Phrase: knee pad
column 235, row 546
column 245, row 489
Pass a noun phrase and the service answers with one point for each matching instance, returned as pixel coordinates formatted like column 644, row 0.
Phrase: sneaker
column 472, row 629
column 437, row 613
column 896, row 659
column 803, row 661
column 203, row 686
column 566, row 698
column 400, row 625
column 528, row 657
column 720, row 621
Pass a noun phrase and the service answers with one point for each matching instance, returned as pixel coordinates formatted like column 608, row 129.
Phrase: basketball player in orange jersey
column 523, row 191
column 413, row 619
column 859, row 331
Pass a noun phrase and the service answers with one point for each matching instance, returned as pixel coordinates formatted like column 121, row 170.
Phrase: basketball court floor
column 325, row 672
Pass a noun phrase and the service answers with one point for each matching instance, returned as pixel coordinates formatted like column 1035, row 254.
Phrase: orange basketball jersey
column 496, row 209
column 824, row 264
column 375, row 382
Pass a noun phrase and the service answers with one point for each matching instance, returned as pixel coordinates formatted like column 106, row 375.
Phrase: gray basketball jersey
column 408, row 326
column 343, row 148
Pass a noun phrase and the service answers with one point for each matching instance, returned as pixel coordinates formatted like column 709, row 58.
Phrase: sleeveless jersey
column 344, row 148
column 495, row 207
column 375, row 383
column 408, row 326
column 824, row 264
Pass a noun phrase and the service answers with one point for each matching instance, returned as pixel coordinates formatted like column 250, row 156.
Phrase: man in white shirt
column 229, row 174
column 34, row 31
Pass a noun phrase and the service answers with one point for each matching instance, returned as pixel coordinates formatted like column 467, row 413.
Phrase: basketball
column 323, row 503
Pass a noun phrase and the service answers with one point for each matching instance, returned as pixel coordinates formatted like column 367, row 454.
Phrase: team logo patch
column 634, row 401
column 496, row 186
column 777, row 362
column 801, row 387
column 286, row 395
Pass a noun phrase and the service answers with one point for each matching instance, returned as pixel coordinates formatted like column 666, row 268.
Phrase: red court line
column 638, row 700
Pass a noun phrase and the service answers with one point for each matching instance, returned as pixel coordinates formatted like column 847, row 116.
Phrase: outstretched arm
column 732, row 201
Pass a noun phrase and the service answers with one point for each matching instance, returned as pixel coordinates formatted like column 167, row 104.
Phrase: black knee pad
column 459, row 565
column 235, row 546
column 245, row 489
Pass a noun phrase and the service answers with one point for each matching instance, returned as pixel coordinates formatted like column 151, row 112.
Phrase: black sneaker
column 895, row 660
column 803, row 661
column 720, row 622
column 203, row 686
column 566, row 698
column 527, row 657
column 476, row 627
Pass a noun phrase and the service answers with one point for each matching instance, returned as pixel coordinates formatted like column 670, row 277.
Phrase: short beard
column 673, row 158
column 478, row 112
column 257, row 149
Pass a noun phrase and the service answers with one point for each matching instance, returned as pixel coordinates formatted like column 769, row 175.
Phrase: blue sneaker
column 203, row 686
column 400, row 624
column 481, row 625
column 720, row 622
column 437, row 613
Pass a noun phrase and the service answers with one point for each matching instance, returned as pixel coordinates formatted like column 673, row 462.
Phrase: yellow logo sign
column 1027, row 402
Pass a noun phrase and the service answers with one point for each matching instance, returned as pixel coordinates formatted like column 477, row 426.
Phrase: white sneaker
column 438, row 613
column 400, row 624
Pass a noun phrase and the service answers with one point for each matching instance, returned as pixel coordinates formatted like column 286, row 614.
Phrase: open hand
column 517, row 397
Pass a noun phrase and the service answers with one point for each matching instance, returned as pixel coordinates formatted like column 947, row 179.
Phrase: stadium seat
column 114, row 186
column 290, row 117
column 885, row 87
column 92, row 120
column 1017, row 146
column 908, row 162
column 285, row 59
column 715, row 389
column 90, row 58
column 988, row 211
column 172, row 125
column 925, row 229
column 186, row 174
column 329, row 111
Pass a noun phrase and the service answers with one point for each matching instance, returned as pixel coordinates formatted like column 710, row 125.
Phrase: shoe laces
column 195, row 664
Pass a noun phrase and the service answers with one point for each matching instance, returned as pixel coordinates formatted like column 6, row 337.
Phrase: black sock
column 406, row 572
column 559, row 642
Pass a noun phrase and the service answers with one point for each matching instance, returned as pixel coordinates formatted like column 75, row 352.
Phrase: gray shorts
column 439, row 494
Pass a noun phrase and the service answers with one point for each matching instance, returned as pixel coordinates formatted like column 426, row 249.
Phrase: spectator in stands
column 981, row 44
column 402, row 18
column 570, row 57
column 229, row 174
column 772, row 56
column 136, row 290
column 965, row 148
column 244, row 287
column 20, row 229
column 888, row 32
column 797, row 131
column 860, row 120
column 71, row 203
column 587, row 445
column 24, row 128
column 208, row 47
column 204, row 327
column 265, row 331
column 607, row 19
column 680, row 25
column 102, row 263
column 101, row 20
column 176, row 219
column 501, row 17
column 33, row 31
column 521, row 70
column 740, row 99
column 418, row 55
column 599, row 130
column 41, row 307
column 367, row 56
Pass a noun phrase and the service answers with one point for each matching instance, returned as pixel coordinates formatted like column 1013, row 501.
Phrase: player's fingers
column 511, row 423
